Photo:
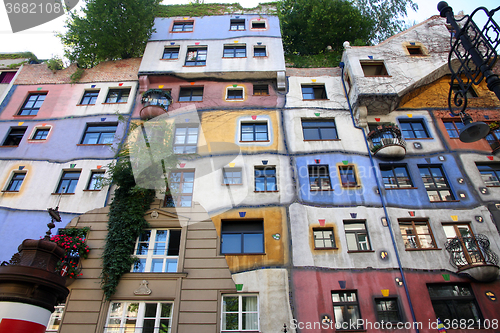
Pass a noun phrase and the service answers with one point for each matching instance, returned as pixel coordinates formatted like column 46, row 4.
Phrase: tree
column 310, row 26
column 109, row 30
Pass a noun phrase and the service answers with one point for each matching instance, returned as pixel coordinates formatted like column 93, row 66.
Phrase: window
column 145, row 317
column 454, row 302
column 413, row 129
column 470, row 93
column 55, row 318
column 240, row 313
column 258, row 24
column 259, row 51
column 6, row 77
column 32, row 105
column 233, row 51
column 15, row 136
column 435, row 183
column 242, row 236
column 16, row 181
column 348, row 176
column 117, row 95
column 41, row 134
column 414, row 50
column 260, row 89
column 237, row 25
column 323, row 238
column 453, row 128
column 319, row 178
column 417, row 234
column 99, row 134
column 231, row 176
column 234, row 94
column 196, row 56
column 185, row 26
column 357, row 236
column 68, row 182
column 324, row 129
column 89, row 97
column 374, row 68
column 95, row 181
column 345, row 309
column 186, row 139
column 157, row 251
column 490, row 173
column 381, row 134
column 387, row 310
column 254, row 132
column 314, row 92
column 465, row 249
column 493, row 138
column 191, row 94
column 265, row 179
column 171, row 53
column 395, row 176
column 181, row 189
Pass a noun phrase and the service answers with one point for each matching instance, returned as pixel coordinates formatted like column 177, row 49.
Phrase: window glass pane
column 250, row 321
column 230, row 321
column 231, row 243
column 157, row 265
column 253, row 243
column 230, row 303
column 171, row 265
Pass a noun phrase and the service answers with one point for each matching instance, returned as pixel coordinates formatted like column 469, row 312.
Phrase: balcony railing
column 156, row 102
column 386, row 141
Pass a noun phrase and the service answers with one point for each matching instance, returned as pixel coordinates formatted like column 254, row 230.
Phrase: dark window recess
column 375, row 68
column 6, row 77
column 258, row 25
column 314, row 92
column 32, row 104
column 346, row 309
column 191, row 94
column 89, row 97
column 183, row 26
column 99, row 134
column 237, row 25
column 16, row 182
column 319, row 129
column 15, row 136
column 454, row 302
column 470, row 93
column 171, row 53
column 242, row 237
column 414, row 50
column 235, row 94
column 260, row 89
column 259, row 51
column 388, row 310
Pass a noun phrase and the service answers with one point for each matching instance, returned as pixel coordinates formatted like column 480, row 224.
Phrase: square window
column 259, row 51
column 387, row 310
column 41, row 134
column 235, row 51
column 490, row 173
column 32, row 104
column 435, row 182
column 414, row 50
column 16, row 181
column 242, row 236
column 319, row 178
column 196, row 56
column 357, row 236
column 95, row 181
column 470, row 93
column 68, row 182
column 186, row 140
column 99, row 134
column 374, row 68
column 258, row 24
column 265, row 179
column 348, row 176
column 231, row 176
column 118, row 95
column 89, row 97
column 413, row 129
column 55, row 318
column 395, row 176
column 345, row 309
column 185, row 26
column 191, row 94
column 260, row 89
column 254, row 132
column 171, row 53
column 237, row 25
column 323, row 129
column 15, row 136
column 240, row 313
column 453, row 128
column 324, row 238
column 417, row 234
column 313, row 92
column 157, row 251
column 234, row 94
column 139, row 317
column 454, row 301
column 180, row 186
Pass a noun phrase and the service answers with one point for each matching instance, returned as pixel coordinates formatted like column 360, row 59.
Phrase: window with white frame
column 40, row 133
column 186, row 139
column 144, row 317
column 55, row 318
column 157, row 251
column 240, row 313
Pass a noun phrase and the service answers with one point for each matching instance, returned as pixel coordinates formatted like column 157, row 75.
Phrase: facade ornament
column 143, row 289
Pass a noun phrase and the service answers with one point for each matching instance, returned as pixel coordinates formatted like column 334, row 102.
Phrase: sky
column 41, row 40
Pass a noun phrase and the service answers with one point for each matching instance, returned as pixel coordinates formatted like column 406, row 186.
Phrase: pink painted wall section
column 312, row 296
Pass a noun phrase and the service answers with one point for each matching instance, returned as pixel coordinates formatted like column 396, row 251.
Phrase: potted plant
column 74, row 242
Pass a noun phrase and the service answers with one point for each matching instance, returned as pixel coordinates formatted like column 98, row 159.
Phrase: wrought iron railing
column 384, row 137
column 470, row 251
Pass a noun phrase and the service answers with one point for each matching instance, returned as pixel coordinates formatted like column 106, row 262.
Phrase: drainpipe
column 382, row 199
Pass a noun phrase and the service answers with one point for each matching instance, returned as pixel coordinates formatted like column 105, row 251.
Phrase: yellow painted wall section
column 276, row 251
column 435, row 95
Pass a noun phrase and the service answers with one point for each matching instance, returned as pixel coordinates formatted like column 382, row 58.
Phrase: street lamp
column 475, row 53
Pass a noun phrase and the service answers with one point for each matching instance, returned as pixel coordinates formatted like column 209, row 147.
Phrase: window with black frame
column 346, row 309
column 319, row 178
column 490, row 173
column 436, row 184
column 265, row 179
column 395, row 176
column 319, row 129
column 454, row 301
column 242, row 236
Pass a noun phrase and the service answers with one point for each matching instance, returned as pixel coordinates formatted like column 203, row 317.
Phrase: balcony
column 155, row 103
column 386, row 142
column 471, row 256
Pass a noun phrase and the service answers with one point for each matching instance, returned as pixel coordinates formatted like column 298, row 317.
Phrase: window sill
column 234, row 57
column 325, row 248
column 153, row 276
column 322, row 140
column 260, row 95
column 36, row 140
column 189, row 101
column 328, row 190
column 93, row 144
column 359, row 251
column 231, row 184
column 238, row 30
column 25, row 115
column 350, row 186
column 419, row 139
column 9, row 146
column 316, row 99
column 194, row 65
column 10, row 191
column 260, row 57
column 91, row 190
column 254, row 141
column 401, row 188
column 243, row 254
column 492, row 185
column 116, row 103
column 445, row 201
column 378, row 75
column 235, row 100
column 266, row 191
column 89, row 104
column 63, row 193
column 181, row 32
column 424, row 249
column 169, row 59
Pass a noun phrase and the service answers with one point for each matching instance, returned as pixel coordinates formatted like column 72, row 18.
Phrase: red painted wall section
column 20, row 326
column 311, row 291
